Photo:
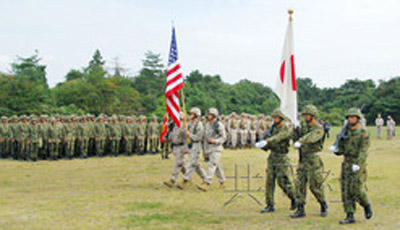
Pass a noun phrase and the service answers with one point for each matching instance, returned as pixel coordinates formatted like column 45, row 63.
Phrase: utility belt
column 178, row 144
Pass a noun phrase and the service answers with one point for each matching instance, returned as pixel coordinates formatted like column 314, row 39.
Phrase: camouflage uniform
column 216, row 131
column 390, row 127
column 354, row 149
column 243, row 131
column 22, row 137
column 196, row 136
column 379, row 124
column 33, row 136
column 233, row 130
column 178, row 139
column 54, row 139
column 100, row 134
column 43, row 137
column 141, row 135
column 153, row 132
column 278, row 161
column 4, row 136
column 311, row 167
column 253, row 130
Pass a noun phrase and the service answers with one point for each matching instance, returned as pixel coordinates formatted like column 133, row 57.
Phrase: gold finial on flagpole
column 290, row 11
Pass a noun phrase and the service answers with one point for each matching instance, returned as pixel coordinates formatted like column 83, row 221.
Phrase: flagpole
column 185, row 114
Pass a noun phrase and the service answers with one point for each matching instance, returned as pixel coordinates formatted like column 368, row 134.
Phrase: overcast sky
column 335, row 40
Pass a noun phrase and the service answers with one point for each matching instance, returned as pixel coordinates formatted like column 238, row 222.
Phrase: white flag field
column 286, row 84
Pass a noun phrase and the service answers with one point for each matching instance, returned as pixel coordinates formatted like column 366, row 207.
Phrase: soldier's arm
column 199, row 133
column 222, row 135
column 364, row 145
column 312, row 136
column 282, row 135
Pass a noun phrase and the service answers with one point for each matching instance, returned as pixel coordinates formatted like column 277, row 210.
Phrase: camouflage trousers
column 310, row 170
column 33, row 150
column 353, row 189
column 278, row 170
column 100, row 146
column 4, row 149
column 253, row 137
column 71, row 147
column 233, row 138
column 379, row 132
column 194, row 164
column 179, row 163
column 215, row 167
column 153, row 140
column 243, row 137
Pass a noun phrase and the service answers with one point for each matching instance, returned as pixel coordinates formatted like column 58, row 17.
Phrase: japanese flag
column 286, row 84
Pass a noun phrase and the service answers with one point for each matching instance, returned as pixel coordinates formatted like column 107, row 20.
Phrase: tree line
column 94, row 89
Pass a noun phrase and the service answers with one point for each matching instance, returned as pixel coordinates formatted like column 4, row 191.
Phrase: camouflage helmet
column 23, row 117
column 354, row 112
column 268, row 117
column 278, row 113
column 310, row 109
column 53, row 119
column 196, row 111
column 213, row 111
column 4, row 118
column 154, row 117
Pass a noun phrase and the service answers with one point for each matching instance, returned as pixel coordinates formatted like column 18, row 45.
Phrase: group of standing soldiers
column 390, row 127
column 43, row 137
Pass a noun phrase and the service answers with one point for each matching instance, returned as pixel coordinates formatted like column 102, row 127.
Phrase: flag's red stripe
column 164, row 128
column 282, row 72
column 174, row 90
column 171, row 71
column 171, row 114
column 176, row 78
column 293, row 73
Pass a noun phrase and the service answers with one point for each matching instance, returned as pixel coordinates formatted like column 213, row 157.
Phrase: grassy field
column 127, row 193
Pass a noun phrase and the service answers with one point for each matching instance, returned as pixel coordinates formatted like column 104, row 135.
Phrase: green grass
column 127, row 193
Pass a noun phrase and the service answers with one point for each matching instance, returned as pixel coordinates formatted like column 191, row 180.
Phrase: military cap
column 13, row 117
column 213, row 111
column 278, row 113
column 354, row 112
column 310, row 109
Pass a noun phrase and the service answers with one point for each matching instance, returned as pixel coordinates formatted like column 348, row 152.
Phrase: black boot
column 324, row 209
column 368, row 211
column 300, row 212
column 293, row 204
column 349, row 219
column 269, row 208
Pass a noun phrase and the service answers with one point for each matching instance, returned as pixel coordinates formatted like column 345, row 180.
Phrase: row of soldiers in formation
column 390, row 127
column 44, row 137
column 308, row 138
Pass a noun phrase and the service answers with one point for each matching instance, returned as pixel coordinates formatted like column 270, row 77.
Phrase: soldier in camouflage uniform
column 13, row 137
column 54, row 139
column 214, row 137
column 379, row 125
column 233, row 130
column 22, row 137
column 43, row 137
column 70, row 132
column 115, row 135
column 310, row 137
column 196, row 135
column 4, row 136
column 100, row 135
column 261, row 126
column 82, row 134
column 153, row 131
column 278, row 162
column 132, row 138
column 177, row 137
column 243, row 130
column 354, row 167
column 33, row 137
column 253, row 130
column 141, row 135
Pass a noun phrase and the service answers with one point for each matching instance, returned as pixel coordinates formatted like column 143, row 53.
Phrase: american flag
column 174, row 82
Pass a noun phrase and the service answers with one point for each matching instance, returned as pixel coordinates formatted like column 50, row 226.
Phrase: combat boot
column 269, row 208
column 349, row 219
column 368, row 211
column 169, row 183
column 184, row 184
column 324, row 209
column 222, row 185
column 293, row 204
column 300, row 212
column 203, row 187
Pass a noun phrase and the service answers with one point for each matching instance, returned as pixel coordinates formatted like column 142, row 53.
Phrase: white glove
column 355, row 168
column 297, row 145
column 261, row 144
column 333, row 149
column 297, row 124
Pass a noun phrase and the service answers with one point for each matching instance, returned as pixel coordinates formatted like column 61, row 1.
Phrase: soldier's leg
column 270, row 183
column 345, row 181
column 213, row 165
column 316, row 180
column 34, row 151
column 178, row 163
column 284, row 181
column 301, row 183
